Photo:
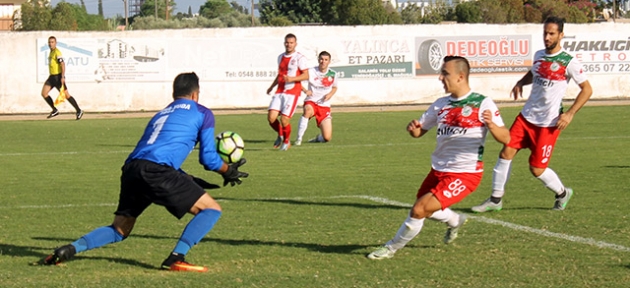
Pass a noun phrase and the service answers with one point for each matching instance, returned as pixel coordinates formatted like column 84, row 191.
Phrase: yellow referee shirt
column 54, row 62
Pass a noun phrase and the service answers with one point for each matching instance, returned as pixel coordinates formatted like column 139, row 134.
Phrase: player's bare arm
column 275, row 82
column 302, row 77
column 500, row 133
column 329, row 95
column 585, row 93
column 415, row 129
column 63, row 72
column 517, row 91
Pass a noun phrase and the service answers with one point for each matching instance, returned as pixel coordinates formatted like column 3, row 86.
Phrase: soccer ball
column 230, row 146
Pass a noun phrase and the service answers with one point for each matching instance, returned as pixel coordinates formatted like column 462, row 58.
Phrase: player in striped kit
column 292, row 69
column 538, row 125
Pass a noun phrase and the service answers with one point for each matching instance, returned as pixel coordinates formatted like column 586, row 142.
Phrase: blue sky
column 116, row 7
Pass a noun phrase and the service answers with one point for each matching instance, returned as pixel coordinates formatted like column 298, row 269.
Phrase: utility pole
column 126, row 14
column 252, row 10
column 166, row 9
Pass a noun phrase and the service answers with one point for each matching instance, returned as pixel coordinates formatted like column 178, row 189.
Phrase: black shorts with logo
column 144, row 182
column 55, row 81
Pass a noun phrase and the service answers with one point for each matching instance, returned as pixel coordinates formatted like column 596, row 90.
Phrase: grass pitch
column 307, row 217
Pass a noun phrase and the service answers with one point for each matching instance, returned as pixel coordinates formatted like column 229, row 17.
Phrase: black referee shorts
column 144, row 182
column 55, row 81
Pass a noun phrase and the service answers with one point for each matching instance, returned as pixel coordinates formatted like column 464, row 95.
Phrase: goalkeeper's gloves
column 232, row 175
column 204, row 184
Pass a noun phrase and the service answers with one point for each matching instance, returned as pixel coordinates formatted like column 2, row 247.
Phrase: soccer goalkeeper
column 152, row 174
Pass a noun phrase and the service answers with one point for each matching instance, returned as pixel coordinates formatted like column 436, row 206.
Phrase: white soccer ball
column 230, row 146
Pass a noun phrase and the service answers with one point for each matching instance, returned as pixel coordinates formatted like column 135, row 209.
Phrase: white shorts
column 285, row 103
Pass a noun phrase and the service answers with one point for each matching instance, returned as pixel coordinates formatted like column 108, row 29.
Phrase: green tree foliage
column 148, row 8
column 468, row 12
column 585, row 7
column 232, row 19
column 64, row 17
column 100, row 8
column 280, row 21
column 34, row 16
column 297, row 11
column 215, row 8
column 551, row 8
column 412, row 14
column 88, row 22
column 358, row 12
column 239, row 7
column 438, row 12
column 531, row 14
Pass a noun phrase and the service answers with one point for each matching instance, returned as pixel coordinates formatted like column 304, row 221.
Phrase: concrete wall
column 380, row 65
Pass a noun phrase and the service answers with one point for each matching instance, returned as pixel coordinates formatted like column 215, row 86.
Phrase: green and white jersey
column 461, row 131
column 320, row 83
column 551, row 79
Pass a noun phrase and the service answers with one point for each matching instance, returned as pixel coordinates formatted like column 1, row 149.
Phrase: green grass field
column 307, row 217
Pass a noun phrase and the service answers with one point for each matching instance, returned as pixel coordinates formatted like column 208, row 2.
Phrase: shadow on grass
column 304, row 202
column 322, row 248
column 33, row 251
column 468, row 211
column 357, row 249
column 617, row 166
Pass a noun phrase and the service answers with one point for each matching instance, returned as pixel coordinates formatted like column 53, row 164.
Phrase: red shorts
column 449, row 187
column 321, row 112
column 540, row 140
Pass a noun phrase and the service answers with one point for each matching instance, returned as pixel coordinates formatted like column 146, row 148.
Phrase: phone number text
column 251, row 74
column 606, row 67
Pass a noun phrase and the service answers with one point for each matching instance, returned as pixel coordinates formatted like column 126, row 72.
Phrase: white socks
column 302, row 127
column 407, row 231
column 447, row 216
column 552, row 181
column 500, row 176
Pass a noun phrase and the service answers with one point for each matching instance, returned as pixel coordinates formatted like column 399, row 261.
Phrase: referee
column 57, row 79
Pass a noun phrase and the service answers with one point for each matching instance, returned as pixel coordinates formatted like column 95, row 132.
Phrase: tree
column 34, row 16
column 357, row 12
column 297, row 11
column 239, row 7
column 64, row 17
column 215, row 8
column 100, row 8
column 468, row 12
column 438, row 12
column 148, row 8
column 411, row 14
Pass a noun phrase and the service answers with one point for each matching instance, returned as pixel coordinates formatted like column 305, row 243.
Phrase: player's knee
column 419, row 212
column 536, row 172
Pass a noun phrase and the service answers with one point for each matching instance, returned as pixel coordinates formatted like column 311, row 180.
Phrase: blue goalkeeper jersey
column 173, row 133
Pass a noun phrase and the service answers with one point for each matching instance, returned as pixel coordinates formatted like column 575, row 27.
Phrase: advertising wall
column 378, row 65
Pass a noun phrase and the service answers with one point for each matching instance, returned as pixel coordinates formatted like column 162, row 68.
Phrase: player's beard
column 552, row 46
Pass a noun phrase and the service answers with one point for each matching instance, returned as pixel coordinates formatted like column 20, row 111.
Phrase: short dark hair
column 556, row 20
column 290, row 35
column 52, row 37
column 185, row 84
column 324, row 53
column 461, row 62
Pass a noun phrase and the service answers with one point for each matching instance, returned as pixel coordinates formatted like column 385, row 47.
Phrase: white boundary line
column 577, row 239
